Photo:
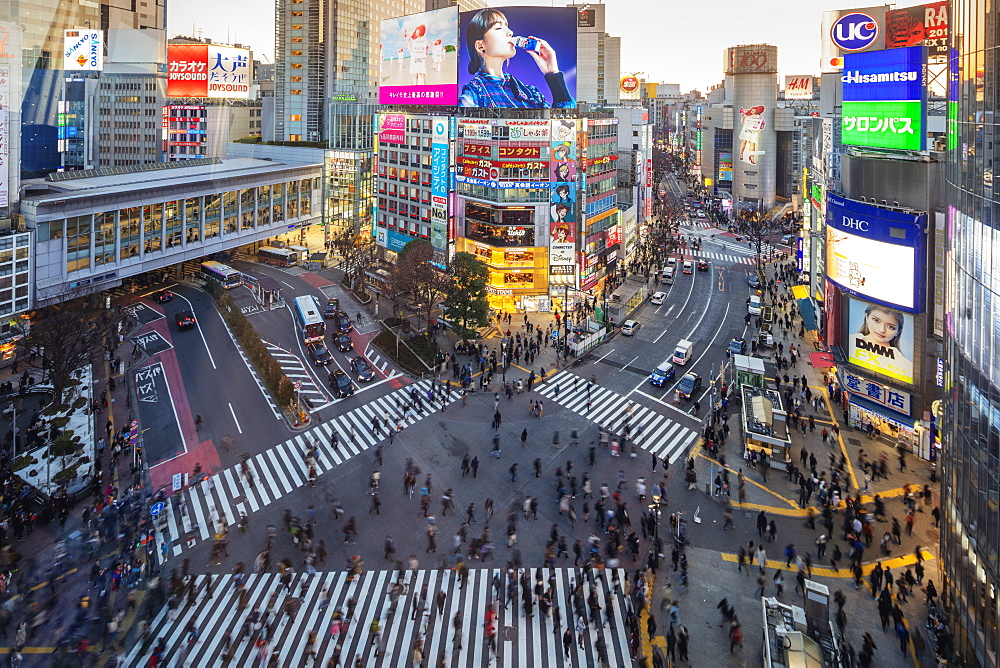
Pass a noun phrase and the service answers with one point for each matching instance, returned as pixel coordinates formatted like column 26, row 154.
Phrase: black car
column 184, row 320
column 341, row 384
column 689, row 385
column 331, row 308
column 702, row 265
column 164, row 296
column 753, row 281
column 343, row 322
column 361, row 369
column 344, row 343
column 319, row 353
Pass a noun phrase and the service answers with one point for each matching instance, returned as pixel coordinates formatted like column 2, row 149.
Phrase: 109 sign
column 855, row 31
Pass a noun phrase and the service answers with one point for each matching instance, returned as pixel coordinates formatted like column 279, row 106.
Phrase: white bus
column 310, row 318
column 301, row 251
column 222, row 274
column 280, row 257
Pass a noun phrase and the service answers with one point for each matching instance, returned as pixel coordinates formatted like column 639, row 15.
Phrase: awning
column 808, row 312
column 800, row 291
column 883, row 412
column 822, row 360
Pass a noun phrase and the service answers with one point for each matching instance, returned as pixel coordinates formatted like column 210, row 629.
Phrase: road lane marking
column 234, row 419
column 197, row 325
column 603, row 356
column 630, row 362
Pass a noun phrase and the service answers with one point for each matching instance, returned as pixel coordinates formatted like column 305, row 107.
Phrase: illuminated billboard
column 880, row 339
column 83, row 50
column 521, row 57
column 925, row 25
column 562, row 172
column 208, row 70
column 885, row 99
column 419, row 58
column 875, row 253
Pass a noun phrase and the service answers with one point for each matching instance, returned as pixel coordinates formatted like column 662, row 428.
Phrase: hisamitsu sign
column 885, row 99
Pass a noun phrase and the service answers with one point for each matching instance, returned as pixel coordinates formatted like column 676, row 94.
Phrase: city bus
column 222, row 274
column 280, row 257
column 301, row 252
column 310, row 318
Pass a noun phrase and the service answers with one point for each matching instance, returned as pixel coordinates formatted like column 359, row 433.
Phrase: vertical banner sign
column 439, row 184
column 4, row 158
column 4, row 134
column 649, row 187
column 562, row 210
column 751, row 124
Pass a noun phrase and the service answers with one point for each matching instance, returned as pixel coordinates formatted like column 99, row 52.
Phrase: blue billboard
column 439, row 183
column 875, row 253
column 892, row 74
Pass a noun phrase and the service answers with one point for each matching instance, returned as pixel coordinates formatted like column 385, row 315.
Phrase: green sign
column 817, row 194
column 878, row 124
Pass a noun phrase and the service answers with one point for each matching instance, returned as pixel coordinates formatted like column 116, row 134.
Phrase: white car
column 630, row 327
column 672, row 261
column 657, row 298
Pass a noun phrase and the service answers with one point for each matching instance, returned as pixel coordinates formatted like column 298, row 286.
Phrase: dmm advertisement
column 208, row 70
column 419, row 58
column 885, row 98
column 875, row 253
column 880, row 339
column 518, row 57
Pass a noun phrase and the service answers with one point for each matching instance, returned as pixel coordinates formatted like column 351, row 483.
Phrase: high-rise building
column 326, row 51
column 970, row 535
column 463, row 5
column 598, row 57
column 42, row 23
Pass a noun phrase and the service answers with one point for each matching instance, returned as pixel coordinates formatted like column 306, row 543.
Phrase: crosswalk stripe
column 649, row 430
column 281, row 469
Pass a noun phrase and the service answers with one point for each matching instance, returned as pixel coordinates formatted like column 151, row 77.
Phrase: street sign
column 178, row 481
column 296, row 385
column 156, row 508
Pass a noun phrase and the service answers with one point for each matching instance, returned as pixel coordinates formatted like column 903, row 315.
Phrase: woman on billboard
column 490, row 44
column 879, row 334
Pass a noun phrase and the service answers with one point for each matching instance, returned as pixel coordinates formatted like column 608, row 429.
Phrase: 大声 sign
column 208, row 70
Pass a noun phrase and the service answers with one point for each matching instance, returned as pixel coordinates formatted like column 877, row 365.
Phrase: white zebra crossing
column 648, row 429
column 520, row 641
column 281, row 469
column 291, row 364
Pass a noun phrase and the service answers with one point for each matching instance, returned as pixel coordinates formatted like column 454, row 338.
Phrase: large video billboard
column 885, row 98
column 518, row 57
column 208, row 70
column 923, row 24
column 875, row 253
column 880, row 339
column 419, row 58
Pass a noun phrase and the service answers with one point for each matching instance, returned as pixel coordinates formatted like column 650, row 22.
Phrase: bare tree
column 427, row 283
column 357, row 252
column 758, row 231
column 66, row 337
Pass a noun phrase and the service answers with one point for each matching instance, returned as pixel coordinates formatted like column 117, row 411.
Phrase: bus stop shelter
column 625, row 301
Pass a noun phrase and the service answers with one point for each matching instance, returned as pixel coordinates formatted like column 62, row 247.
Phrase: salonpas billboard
column 885, row 99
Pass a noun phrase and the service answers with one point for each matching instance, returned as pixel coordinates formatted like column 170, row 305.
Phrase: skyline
column 635, row 21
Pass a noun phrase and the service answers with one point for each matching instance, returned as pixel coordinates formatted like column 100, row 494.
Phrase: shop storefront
column 515, row 272
column 887, row 410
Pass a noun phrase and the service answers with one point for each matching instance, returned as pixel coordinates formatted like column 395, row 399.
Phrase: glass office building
column 970, row 489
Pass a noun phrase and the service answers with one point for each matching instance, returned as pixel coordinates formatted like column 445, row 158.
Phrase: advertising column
column 563, row 215
column 439, row 189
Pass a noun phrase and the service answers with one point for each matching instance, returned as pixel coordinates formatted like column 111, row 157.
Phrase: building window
column 296, row 79
column 295, row 117
column 296, row 91
column 296, row 26
column 77, row 243
column 297, row 52
column 294, row 137
column 296, row 40
column 296, row 66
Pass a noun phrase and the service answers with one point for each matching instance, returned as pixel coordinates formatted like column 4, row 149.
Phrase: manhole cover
column 509, row 633
column 854, row 441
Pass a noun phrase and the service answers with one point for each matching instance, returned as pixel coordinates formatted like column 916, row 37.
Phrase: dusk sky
column 673, row 42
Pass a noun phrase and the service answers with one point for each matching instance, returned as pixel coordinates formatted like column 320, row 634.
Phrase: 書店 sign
column 889, row 397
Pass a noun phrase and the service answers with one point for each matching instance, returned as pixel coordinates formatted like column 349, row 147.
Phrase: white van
column 753, row 308
column 683, row 352
column 668, row 276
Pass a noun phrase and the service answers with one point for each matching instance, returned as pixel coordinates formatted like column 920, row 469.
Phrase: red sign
column 629, row 84
column 526, row 152
column 208, row 70
column 484, row 150
column 500, row 164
